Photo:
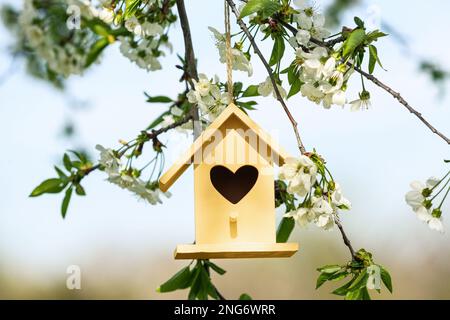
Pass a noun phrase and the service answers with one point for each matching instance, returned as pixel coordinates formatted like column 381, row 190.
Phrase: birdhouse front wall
column 234, row 192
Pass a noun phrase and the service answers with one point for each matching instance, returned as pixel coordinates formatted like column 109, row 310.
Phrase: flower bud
column 427, row 204
column 437, row 213
column 426, row 192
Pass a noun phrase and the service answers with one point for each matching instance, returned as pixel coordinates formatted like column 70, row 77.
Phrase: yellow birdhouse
column 234, row 190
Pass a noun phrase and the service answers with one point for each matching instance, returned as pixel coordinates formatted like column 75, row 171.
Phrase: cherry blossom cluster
column 128, row 178
column 320, row 196
column 422, row 199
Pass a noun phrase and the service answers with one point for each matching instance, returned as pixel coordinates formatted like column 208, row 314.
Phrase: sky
column 373, row 154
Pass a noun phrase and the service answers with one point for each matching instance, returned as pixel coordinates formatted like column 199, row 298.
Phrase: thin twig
column 344, row 237
column 377, row 82
column 269, row 71
column 403, row 102
column 150, row 135
column 155, row 133
column 191, row 63
column 337, row 221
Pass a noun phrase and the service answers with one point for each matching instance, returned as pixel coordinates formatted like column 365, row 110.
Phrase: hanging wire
column 229, row 53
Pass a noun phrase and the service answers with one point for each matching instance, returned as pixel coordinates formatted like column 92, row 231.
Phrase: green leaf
column 330, row 269
column 322, row 279
column 365, row 294
column 277, row 51
column 100, row 29
column 158, row 99
column 212, row 291
column 245, row 296
column 66, row 201
column 375, row 35
column 354, row 295
column 131, row 8
column 237, row 88
column 386, row 278
column 338, row 276
column 79, row 190
column 205, row 285
column 293, row 73
column 359, row 22
column 181, row 280
column 95, row 51
column 342, row 291
column 247, row 105
column 66, row 161
column 195, row 284
column 360, row 281
column 447, row 161
column 215, row 267
column 157, row 121
column 295, row 88
column 61, row 174
column 251, row 91
column 54, row 185
column 373, row 58
column 80, row 155
column 285, row 229
column 355, row 39
column 267, row 7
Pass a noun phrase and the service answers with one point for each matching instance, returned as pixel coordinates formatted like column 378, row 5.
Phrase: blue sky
column 374, row 154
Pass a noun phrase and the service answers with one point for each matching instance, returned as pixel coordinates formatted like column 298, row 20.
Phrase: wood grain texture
column 236, row 251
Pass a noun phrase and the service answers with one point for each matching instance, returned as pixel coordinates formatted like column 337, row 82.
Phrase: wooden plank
column 236, row 250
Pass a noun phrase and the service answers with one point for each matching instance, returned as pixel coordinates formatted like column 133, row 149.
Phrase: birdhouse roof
column 278, row 154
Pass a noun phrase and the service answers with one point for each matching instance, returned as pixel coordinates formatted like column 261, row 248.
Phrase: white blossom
column 208, row 97
column 338, row 200
column 304, row 22
column 132, row 24
column 141, row 54
column 35, row 35
column 108, row 160
column 303, row 216
column 116, row 175
column 360, row 104
column 266, row 88
column 418, row 200
column 203, row 85
column 300, row 174
column 303, row 37
column 152, row 196
column 415, row 197
column 339, row 98
column 106, row 15
column 238, row 58
column 322, row 212
column 152, row 29
column 436, row 224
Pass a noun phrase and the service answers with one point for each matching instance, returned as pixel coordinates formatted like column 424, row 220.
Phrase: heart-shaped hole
column 233, row 186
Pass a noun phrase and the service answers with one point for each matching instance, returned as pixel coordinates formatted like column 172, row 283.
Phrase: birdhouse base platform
column 235, row 250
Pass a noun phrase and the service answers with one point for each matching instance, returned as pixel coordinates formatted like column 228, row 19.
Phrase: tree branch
column 155, row 133
column 402, row 101
column 344, row 237
column 377, row 82
column 191, row 62
column 150, row 135
column 269, row 71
